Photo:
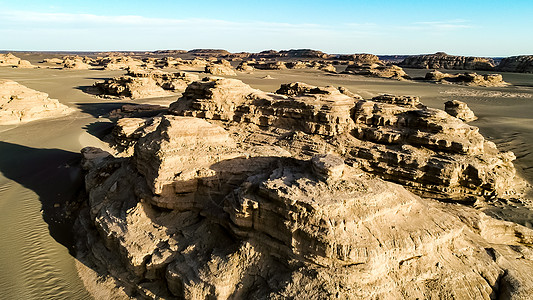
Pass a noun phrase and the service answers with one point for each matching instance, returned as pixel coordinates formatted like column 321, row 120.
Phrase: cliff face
column 237, row 193
column 518, row 64
column 442, row 60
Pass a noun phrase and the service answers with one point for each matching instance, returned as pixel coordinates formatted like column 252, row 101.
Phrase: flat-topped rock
column 20, row 104
column 519, row 64
column 441, row 60
column 377, row 69
column 470, row 79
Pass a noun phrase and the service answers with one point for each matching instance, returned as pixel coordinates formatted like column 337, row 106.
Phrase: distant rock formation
column 9, row 59
column 360, row 58
column 247, row 194
column 441, row 60
column 145, row 84
column 459, row 110
column 20, row 104
column 518, row 64
column 380, row 70
column 245, row 67
column 471, row 79
column 118, row 62
column 24, row 64
column 219, row 69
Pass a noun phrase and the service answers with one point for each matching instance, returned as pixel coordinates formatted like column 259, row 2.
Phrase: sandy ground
column 39, row 174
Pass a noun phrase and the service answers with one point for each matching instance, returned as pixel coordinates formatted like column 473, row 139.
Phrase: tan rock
column 21, row 104
column 520, row 64
column 377, row 70
column 459, row 110
column 9, row 59
column 441, row 60
column 471, row 79
column 217, row 69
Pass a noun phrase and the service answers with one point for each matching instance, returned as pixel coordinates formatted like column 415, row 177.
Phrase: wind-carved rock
column 520, row 64
column 377, row 69
column 20, row 104
column 459, row 110
column 145, row 84
column 471, row 79
column 324, row 111
column 217, row 69
column 441, row 60
column 240, row 196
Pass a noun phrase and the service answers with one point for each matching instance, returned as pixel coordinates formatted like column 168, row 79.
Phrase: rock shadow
column 55, row 176
column 99, row 129
column 99, row 109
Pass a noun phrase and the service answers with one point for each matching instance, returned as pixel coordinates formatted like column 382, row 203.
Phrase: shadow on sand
column 55, row 176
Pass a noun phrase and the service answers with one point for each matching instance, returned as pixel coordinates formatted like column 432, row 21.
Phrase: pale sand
column 35, row 265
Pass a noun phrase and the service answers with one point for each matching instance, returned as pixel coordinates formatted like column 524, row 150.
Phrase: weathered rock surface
column 218, row 69
column 441, row 60
column 459, row 110
column 377, row 70
column 247, row 194
column 315, row 110
column 519, row 64
column 145, row 84
column 245, row 67
column 21, row 104
column 268, row 226
column 471, row 79
column 24, row 64
column 9, row 59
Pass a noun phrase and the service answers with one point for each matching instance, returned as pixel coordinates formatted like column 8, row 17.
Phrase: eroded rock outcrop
column 459, row 110
column 471, row 79
column 9, row 59
column 21, row 104
column 219, row 69
column 379, row 69
column 519, row 64
column 247, row 194
column 241, row 219
column 145, row 84
column 441, row 60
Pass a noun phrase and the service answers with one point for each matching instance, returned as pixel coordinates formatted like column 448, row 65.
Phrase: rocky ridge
column 20, row 104
column 145, row 84
column 441, row 60
column 245, row 194
column 519, row 64
column 471, row 79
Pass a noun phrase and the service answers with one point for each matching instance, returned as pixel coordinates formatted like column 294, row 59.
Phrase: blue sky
column 467, row 27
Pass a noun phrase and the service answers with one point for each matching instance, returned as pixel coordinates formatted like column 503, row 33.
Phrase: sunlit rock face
column 20, row 104
column 237, row 193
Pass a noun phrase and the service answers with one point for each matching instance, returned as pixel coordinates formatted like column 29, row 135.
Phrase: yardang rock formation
column 238, row 193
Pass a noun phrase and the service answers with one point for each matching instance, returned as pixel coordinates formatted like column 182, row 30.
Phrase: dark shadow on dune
column 89, row 89
column 55, row 176
column 99, row 129
column 100, row 109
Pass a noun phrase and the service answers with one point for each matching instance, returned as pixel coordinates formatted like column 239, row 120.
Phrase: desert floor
column 39, row 173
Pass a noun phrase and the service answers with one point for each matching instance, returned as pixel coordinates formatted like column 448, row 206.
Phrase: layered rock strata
column 143, row 84
column 21, row 104
column 441, row 60
column 377, row 70
column 459, row 110
column 395, row 137
column 470, row 79
column 213, row 215
column 519, row 64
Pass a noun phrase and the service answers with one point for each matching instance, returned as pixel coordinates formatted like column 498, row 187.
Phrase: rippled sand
column 39, row 173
